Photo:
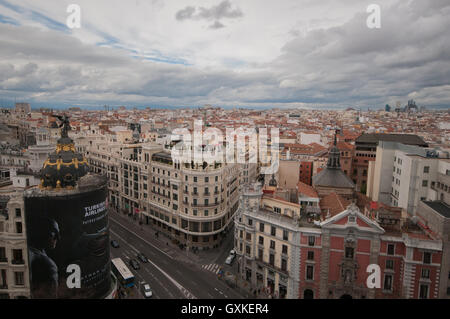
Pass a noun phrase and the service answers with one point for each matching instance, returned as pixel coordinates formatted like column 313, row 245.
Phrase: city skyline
column 370, row 196
column 224, row 153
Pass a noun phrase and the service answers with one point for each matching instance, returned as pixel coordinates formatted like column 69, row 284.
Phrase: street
column 171, row 274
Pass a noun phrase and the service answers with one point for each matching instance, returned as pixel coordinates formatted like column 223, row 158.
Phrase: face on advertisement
column 53, row 240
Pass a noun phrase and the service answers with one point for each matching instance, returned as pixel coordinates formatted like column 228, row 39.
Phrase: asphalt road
column 168, row 277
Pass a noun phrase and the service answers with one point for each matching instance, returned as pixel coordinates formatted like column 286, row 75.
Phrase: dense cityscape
column 336, row 204
column 222, row 158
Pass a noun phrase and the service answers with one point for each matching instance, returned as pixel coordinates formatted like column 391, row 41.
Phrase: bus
column 124, row 275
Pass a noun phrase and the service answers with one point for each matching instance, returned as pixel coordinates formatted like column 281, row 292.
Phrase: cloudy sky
column 284, row 53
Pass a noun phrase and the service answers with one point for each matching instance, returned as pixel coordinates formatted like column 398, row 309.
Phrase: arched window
column 308, row 294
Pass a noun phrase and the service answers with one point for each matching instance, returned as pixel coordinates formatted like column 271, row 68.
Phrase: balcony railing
column 272, row 266
column 205, row 205
column 18, row 262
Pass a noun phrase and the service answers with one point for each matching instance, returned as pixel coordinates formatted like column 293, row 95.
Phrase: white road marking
column 142, row 239
column 186, row 292
column 160, row 283
column 220, row 292
column 215, row 268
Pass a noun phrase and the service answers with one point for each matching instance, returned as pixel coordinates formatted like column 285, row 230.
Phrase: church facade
column 335, row 263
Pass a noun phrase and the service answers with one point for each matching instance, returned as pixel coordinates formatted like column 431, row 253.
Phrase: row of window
column 205, row 212
column 19, row 278
column 205, row 190
column 19, row 229
column 16, row 253
column 206, row 179
column 273, row 229
column 365, row 155
column 398, row 160
column 18, row 212
column 441, row 186
column 271, row 261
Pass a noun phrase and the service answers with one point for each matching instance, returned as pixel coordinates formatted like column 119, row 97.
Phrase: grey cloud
column 353, row 64
column 347, row 65
column 185, row 14
column 220, row 11
column 216, row 25
column 64, row 69
column 27, row 43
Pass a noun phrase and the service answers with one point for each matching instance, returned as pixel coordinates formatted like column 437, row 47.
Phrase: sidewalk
column 243, row 287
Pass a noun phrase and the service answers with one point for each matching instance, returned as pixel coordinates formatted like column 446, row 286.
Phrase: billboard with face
column 68, row 244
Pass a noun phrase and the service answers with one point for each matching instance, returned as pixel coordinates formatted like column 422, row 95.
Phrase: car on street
column 134, row 264
column 146, row 290
column 232, row 252
column 229, row 260
column 114, row 243
column 142, row 257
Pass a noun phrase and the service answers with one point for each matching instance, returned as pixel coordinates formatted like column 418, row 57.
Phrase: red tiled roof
column 334, row 204
column 344, row 146
column 307, row 190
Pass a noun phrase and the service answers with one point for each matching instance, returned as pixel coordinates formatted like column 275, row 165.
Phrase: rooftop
column 332, row 178
column 333, row 204
column 307, row 190
column 409, row 139
column 440, row 207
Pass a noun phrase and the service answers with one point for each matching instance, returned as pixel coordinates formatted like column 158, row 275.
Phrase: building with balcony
column 192, row 203
column 14, row 275
column 291, row 255
column 266, row 242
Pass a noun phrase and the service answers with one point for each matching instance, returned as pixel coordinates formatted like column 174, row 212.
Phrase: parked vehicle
column 229, row 260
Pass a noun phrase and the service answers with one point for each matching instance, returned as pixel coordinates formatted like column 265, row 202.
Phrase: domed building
column 67, row 225
column 65, row 165
column 332, row 178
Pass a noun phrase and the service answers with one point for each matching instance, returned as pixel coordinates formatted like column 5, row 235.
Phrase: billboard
column 68, row 244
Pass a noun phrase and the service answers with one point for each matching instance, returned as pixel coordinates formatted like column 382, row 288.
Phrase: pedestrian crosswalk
column 215, row 268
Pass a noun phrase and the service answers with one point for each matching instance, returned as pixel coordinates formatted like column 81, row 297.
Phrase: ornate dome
column 65, row 166
column 332, row 175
